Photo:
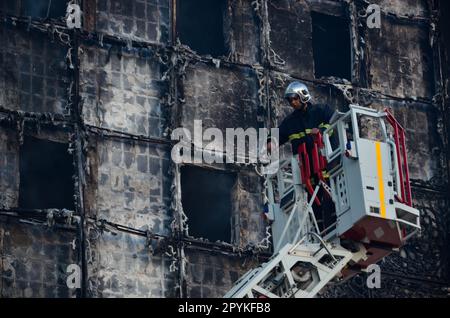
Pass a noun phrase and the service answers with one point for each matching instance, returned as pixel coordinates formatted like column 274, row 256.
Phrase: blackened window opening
column 331, row 46
column 46, row 170
column 40, row 9
column 206, row 200
column 199, row 25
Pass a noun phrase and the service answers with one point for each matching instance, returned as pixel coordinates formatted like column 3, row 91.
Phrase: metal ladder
column 296, row 271
column 303, row 263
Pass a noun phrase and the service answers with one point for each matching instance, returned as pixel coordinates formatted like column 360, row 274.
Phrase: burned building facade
column 91, row 204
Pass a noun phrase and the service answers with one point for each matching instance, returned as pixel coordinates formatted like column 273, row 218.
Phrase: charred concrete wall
column 114, row 91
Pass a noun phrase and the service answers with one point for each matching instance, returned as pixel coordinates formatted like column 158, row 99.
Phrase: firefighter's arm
column 283, row 137
column 327, row 114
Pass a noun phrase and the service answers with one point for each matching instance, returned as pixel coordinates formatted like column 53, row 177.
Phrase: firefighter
column 299, row 127
column 306, row 120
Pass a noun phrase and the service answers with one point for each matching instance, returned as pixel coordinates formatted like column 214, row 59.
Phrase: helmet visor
column 292, row 96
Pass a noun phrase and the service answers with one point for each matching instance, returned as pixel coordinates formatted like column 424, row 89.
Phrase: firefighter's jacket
column 297, row 127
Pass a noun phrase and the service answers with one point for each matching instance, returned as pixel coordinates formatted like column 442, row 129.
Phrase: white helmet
column 298, row 89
